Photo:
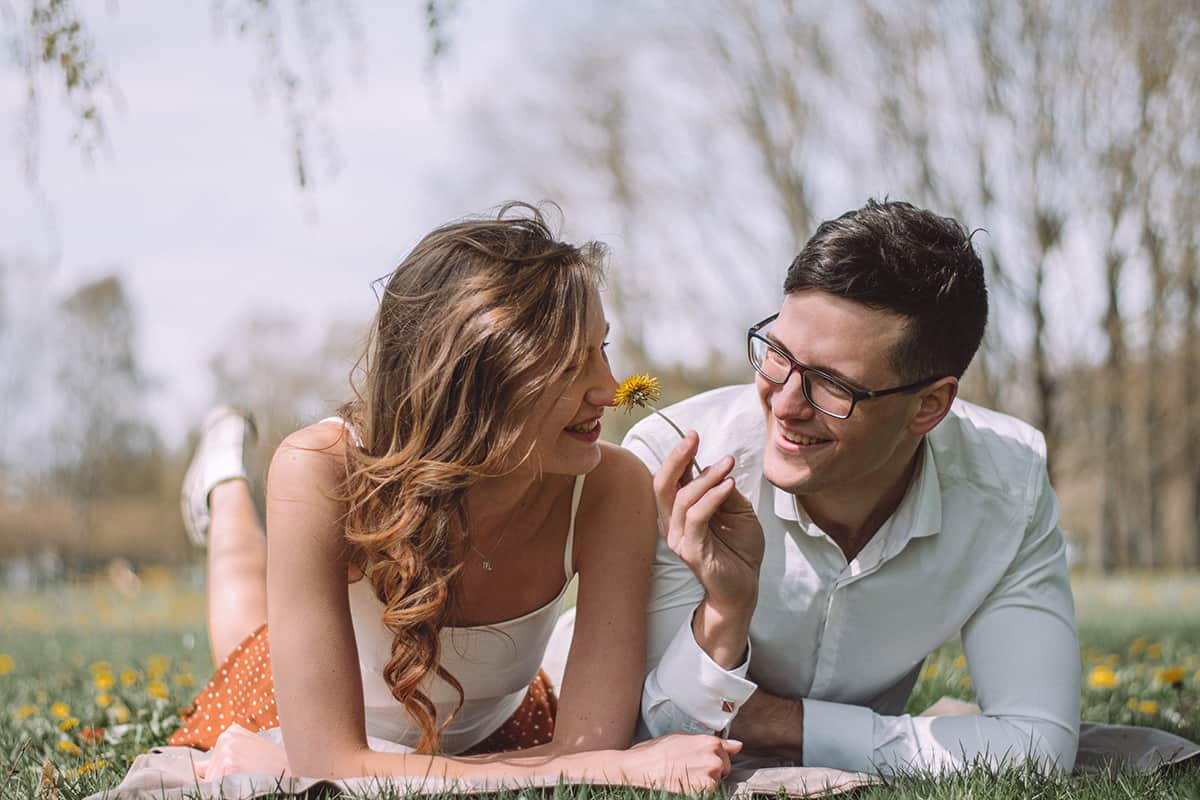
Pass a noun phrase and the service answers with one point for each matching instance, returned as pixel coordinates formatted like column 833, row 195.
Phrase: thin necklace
column 485, row 560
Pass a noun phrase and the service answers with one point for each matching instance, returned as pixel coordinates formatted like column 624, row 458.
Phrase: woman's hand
column 679, row 762
column 239, row 750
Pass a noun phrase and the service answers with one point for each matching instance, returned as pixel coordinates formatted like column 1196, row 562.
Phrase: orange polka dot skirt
column 242, row 691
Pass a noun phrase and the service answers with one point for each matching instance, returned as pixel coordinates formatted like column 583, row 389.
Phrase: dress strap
column 354, row 437
column 569, row 552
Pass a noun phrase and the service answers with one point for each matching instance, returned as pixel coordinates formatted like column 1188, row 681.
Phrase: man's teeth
column 796, row 438
column 584, row 427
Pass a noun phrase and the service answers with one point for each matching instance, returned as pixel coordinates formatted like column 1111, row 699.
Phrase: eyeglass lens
column 820, row 392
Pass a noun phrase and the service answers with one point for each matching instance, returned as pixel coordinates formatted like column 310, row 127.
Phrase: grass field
column 89, row 678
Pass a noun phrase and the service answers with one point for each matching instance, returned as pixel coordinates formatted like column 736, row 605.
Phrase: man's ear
column 934, row 403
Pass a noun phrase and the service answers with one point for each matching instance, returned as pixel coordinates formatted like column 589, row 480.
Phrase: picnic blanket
column 166, row 772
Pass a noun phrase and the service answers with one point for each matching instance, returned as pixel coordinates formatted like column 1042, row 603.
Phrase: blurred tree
column 52, row 45
column 103, row 445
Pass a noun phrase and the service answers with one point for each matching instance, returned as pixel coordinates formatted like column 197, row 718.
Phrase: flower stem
column 695, row 466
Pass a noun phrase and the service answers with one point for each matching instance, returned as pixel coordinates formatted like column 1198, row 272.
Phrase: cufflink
column 728, row 706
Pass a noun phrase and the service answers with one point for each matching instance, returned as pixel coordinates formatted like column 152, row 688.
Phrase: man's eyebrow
column 841, row 376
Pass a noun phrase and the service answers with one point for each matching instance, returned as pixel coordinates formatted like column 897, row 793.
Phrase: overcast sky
column 194, row 201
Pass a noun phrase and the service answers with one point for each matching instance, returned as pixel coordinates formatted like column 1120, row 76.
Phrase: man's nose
column 789, row 401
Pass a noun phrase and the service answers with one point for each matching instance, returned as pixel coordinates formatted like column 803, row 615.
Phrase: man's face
column 811, row 453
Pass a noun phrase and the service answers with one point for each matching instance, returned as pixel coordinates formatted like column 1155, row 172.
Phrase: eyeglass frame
column 856, row 395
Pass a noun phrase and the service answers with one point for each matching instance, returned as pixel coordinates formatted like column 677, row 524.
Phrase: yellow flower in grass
column 6, row 664
column 120, row 714
column 66, row 746
column 25, row 712
column 157, row 667
column 60, row 710
column 960, row 662
column 104, row 700
column 97, row 667
column 1147, row 707
column 1173, row 676
column 185, row 680
column 637, row 391
column 1139, row 646
column 1102, row 678
column 930, row 672
column 965, row 682
column 128, row 677
column 91, row 766
column 68, row 723
column 157, row 689
column 104, row 681
column 1111, row 661
column 1154, row 651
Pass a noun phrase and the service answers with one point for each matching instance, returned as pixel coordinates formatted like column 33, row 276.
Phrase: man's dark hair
column 910, row 261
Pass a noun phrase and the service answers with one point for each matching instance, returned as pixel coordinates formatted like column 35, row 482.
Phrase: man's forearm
column 767, row 724
column 722, row 630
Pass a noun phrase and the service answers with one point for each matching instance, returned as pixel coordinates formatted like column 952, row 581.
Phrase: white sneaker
column 225, row 434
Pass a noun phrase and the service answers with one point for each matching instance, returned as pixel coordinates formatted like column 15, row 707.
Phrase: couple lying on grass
column 850, row 517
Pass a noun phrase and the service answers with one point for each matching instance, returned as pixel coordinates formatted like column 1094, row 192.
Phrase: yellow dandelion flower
column 68, row 723
column 637, row 391
column 25, row 712
column 104, row 681
column 120, row 714
column 965, row 682
column 60, row 710
column 157, row 689
column 185, row 680
column 128, row 677
column 960, row 662
column 39, row 696
column 1174, row 675
column 6, row 664
column 98, row 667
column 91, row 766
column 157, row 667
column 1147, row 707
column 930, row 672
column 1154, row 651
column 69, row 747
column 1102, row 678
column 1110, row 661
column 104, row 700
column 1139, row 646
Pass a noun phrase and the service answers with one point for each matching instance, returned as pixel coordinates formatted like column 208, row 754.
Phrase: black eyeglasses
column 823, row 391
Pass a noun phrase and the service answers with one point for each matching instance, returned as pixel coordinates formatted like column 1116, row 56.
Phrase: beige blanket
column 166, row 773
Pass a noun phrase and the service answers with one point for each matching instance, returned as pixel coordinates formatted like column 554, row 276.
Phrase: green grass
column 86, row 657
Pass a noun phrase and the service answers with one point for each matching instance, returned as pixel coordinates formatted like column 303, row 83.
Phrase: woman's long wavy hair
column 474, row 325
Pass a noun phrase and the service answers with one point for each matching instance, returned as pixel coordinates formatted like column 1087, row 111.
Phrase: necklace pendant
column 487, row 565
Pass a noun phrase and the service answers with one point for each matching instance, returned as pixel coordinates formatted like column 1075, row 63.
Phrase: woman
column 420, row 544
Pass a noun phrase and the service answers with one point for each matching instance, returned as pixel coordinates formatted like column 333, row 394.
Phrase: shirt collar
column 919, row 513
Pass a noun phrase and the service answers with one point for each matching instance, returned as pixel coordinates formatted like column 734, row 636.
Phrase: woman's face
column 567, row 422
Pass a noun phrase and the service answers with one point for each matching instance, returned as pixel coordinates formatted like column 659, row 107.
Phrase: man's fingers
column 698, row 516
column 732, row 746
column 676, row 465
column 684, row 512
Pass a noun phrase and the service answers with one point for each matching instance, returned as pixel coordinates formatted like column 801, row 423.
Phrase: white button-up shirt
column 974, row 547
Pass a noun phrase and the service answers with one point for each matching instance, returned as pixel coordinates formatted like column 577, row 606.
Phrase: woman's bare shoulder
column 620, row 477
column 312, row 458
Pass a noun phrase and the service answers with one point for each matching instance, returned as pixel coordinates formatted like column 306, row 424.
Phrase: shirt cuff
column 839, row 736
column 699, row 687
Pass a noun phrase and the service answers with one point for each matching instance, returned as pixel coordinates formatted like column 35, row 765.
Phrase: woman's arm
column 614, row 547
column 314, row 659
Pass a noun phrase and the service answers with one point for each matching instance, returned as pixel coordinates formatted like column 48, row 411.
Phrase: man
column 854, row 516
